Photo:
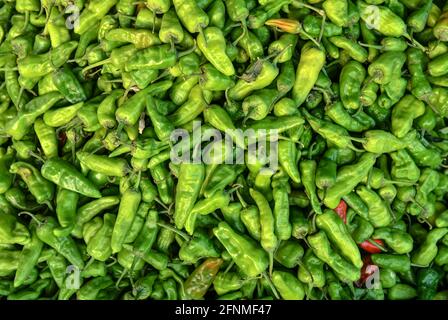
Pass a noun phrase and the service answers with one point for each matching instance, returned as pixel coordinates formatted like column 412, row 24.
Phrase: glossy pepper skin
column 212, row 44
column 379, row 214
column 67, row 84
column 348, row 177
column 311, row 62
column 403, row 114
column 68, row 177
column 252, row 261
column 6, row 178
column 191, row 15
column 258, row 75
column 21, row 124
column 268, row 238
column 398, row 263
column 127, row 210
column 312, row 271
column 99, row 246
column 39, row 187
column 358, row 122
column 351, row 78
column 322, row 249
column 289, row 287
column 66, row 205
column 28, row 258
column 336, row 231
column 67, row 247
column 189, row 183
column 427, row 251
column 108, row 166
column 308, row 173
column 41, row 65
column 399, row 241
column 289, row 253
column 386, row 66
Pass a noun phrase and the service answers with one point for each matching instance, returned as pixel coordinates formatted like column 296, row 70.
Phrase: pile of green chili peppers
column 93, row 207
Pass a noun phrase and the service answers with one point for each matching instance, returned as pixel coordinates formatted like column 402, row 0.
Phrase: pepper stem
column 153, row 21
column 370, row 45
column 96, row 64
column 112, row 263
column 240, row 198
column 308, row 36
column 89, row 262
column 271, row 285
column 229, row 267
column 161, row 204
column 299, row 4
column 243, row 26
column 27, row 20
column 32, row 217
column 123, row 273
column 35, row 155
column 374, row 243
column 180, row 233
column 321, row 33
column 415, row 42
column 186, row 52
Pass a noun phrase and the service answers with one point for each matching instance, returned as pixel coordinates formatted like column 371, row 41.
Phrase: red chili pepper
column 371, row 248
column 62, row 138
column 341, row 210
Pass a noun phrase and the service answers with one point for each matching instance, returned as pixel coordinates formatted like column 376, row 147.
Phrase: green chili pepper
column 259, row 103
column 310, row 64
column 440, row 28
column 40, row 65
column 127, row 210
column 213, row 80
column 252, row 260
column 6, row 178
column 356, row 123
column 289, row 253
column 211, row 42
column 289, row 287
column 66, row 205
column 65, row 246
column 68, row 177
column 386, row 66
column 347, row 178
column 191, row 15
column 401, row 291
column 28, row 257
column 257, row 76
column 397, row 263
column 21, row 124
column 353, row 49
column 399, row 241
column 40, row 188
column 321, row 247
column 250, row 216
column 351, row 78
column 337, row 233
column 427, row 251
column 193, row 107
column 164, row 183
